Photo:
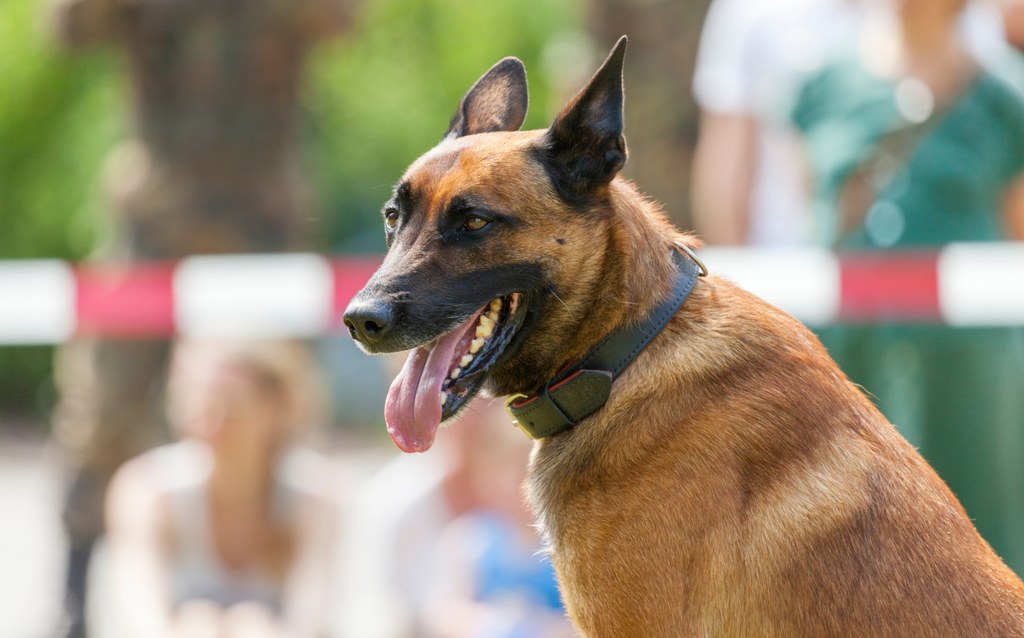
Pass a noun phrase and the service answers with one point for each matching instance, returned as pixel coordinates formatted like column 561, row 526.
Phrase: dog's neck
column 585, row 386
column 638, row 242
column 639, row 288
column 628, row 272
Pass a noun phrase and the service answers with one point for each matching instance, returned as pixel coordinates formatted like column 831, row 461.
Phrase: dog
column 725, row 479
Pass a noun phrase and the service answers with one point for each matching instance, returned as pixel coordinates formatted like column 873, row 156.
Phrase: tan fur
column 737, row 484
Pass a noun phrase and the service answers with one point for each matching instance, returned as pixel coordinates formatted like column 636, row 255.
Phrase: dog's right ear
column 497, row 102
column 584, row 148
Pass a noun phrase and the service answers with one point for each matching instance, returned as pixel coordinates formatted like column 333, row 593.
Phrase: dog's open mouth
column 440, row 377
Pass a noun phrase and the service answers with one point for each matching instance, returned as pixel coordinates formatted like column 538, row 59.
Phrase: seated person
column 228, row 531
column 442, row 545
column 492, row 576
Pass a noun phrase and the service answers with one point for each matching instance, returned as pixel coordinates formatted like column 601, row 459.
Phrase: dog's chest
column 629, row 549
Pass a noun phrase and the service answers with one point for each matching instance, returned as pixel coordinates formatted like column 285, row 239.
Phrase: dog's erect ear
column 497, row 102
column 585, row 145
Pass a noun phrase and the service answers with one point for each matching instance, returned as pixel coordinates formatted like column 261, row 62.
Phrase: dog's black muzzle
column 394, row 313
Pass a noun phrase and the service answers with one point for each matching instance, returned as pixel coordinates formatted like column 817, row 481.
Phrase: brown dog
column 734, row 483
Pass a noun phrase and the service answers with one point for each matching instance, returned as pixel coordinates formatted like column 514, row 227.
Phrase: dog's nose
column 369, row 321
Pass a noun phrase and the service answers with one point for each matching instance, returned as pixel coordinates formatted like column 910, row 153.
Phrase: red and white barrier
column 293, row 295
column 303, row 295
column 37, row 302
column 959, row 285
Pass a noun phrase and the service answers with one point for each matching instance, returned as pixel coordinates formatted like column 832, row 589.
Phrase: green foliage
column 59, row 115
column 26, row 386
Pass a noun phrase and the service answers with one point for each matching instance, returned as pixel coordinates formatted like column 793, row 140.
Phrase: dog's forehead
column 460, row 163
column 435, row 161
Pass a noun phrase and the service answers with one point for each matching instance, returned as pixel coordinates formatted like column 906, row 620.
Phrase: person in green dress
column 912, row 143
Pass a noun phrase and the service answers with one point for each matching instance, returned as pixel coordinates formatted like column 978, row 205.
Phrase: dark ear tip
column 510, row 66
column 618, row 52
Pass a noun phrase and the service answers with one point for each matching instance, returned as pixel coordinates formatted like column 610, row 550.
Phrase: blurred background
column 227, row 484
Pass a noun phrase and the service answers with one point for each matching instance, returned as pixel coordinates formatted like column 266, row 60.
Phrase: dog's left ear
column 497, row 102
column 585, row 146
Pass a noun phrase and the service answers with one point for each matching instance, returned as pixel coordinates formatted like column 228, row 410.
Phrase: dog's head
column 495, row 249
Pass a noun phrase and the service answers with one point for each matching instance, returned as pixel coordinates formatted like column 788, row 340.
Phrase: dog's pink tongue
column 413, row 407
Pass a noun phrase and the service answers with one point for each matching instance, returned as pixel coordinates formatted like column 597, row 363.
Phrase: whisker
column 569, row 310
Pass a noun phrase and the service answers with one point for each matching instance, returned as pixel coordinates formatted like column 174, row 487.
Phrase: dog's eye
column 474, row 223
column 391, row 218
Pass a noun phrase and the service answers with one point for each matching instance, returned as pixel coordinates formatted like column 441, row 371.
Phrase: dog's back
column 738, row 484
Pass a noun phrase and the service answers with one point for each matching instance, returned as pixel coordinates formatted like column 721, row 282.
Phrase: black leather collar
column 583, row 387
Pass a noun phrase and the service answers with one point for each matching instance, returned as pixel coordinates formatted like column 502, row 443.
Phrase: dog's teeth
column 493, row 316
column 444, row 398
column 466, row 360
column 455, row 373
column 476, row 344
column 486, row 326
column 496, row 304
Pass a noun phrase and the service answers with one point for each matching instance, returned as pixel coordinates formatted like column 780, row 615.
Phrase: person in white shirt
column 228, row 531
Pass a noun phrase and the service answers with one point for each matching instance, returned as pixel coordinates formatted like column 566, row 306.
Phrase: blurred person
column 211, row 167
column 397, row 573
column 748, row 182
column 229, row 530
column 913, row 142
column 493, row 577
